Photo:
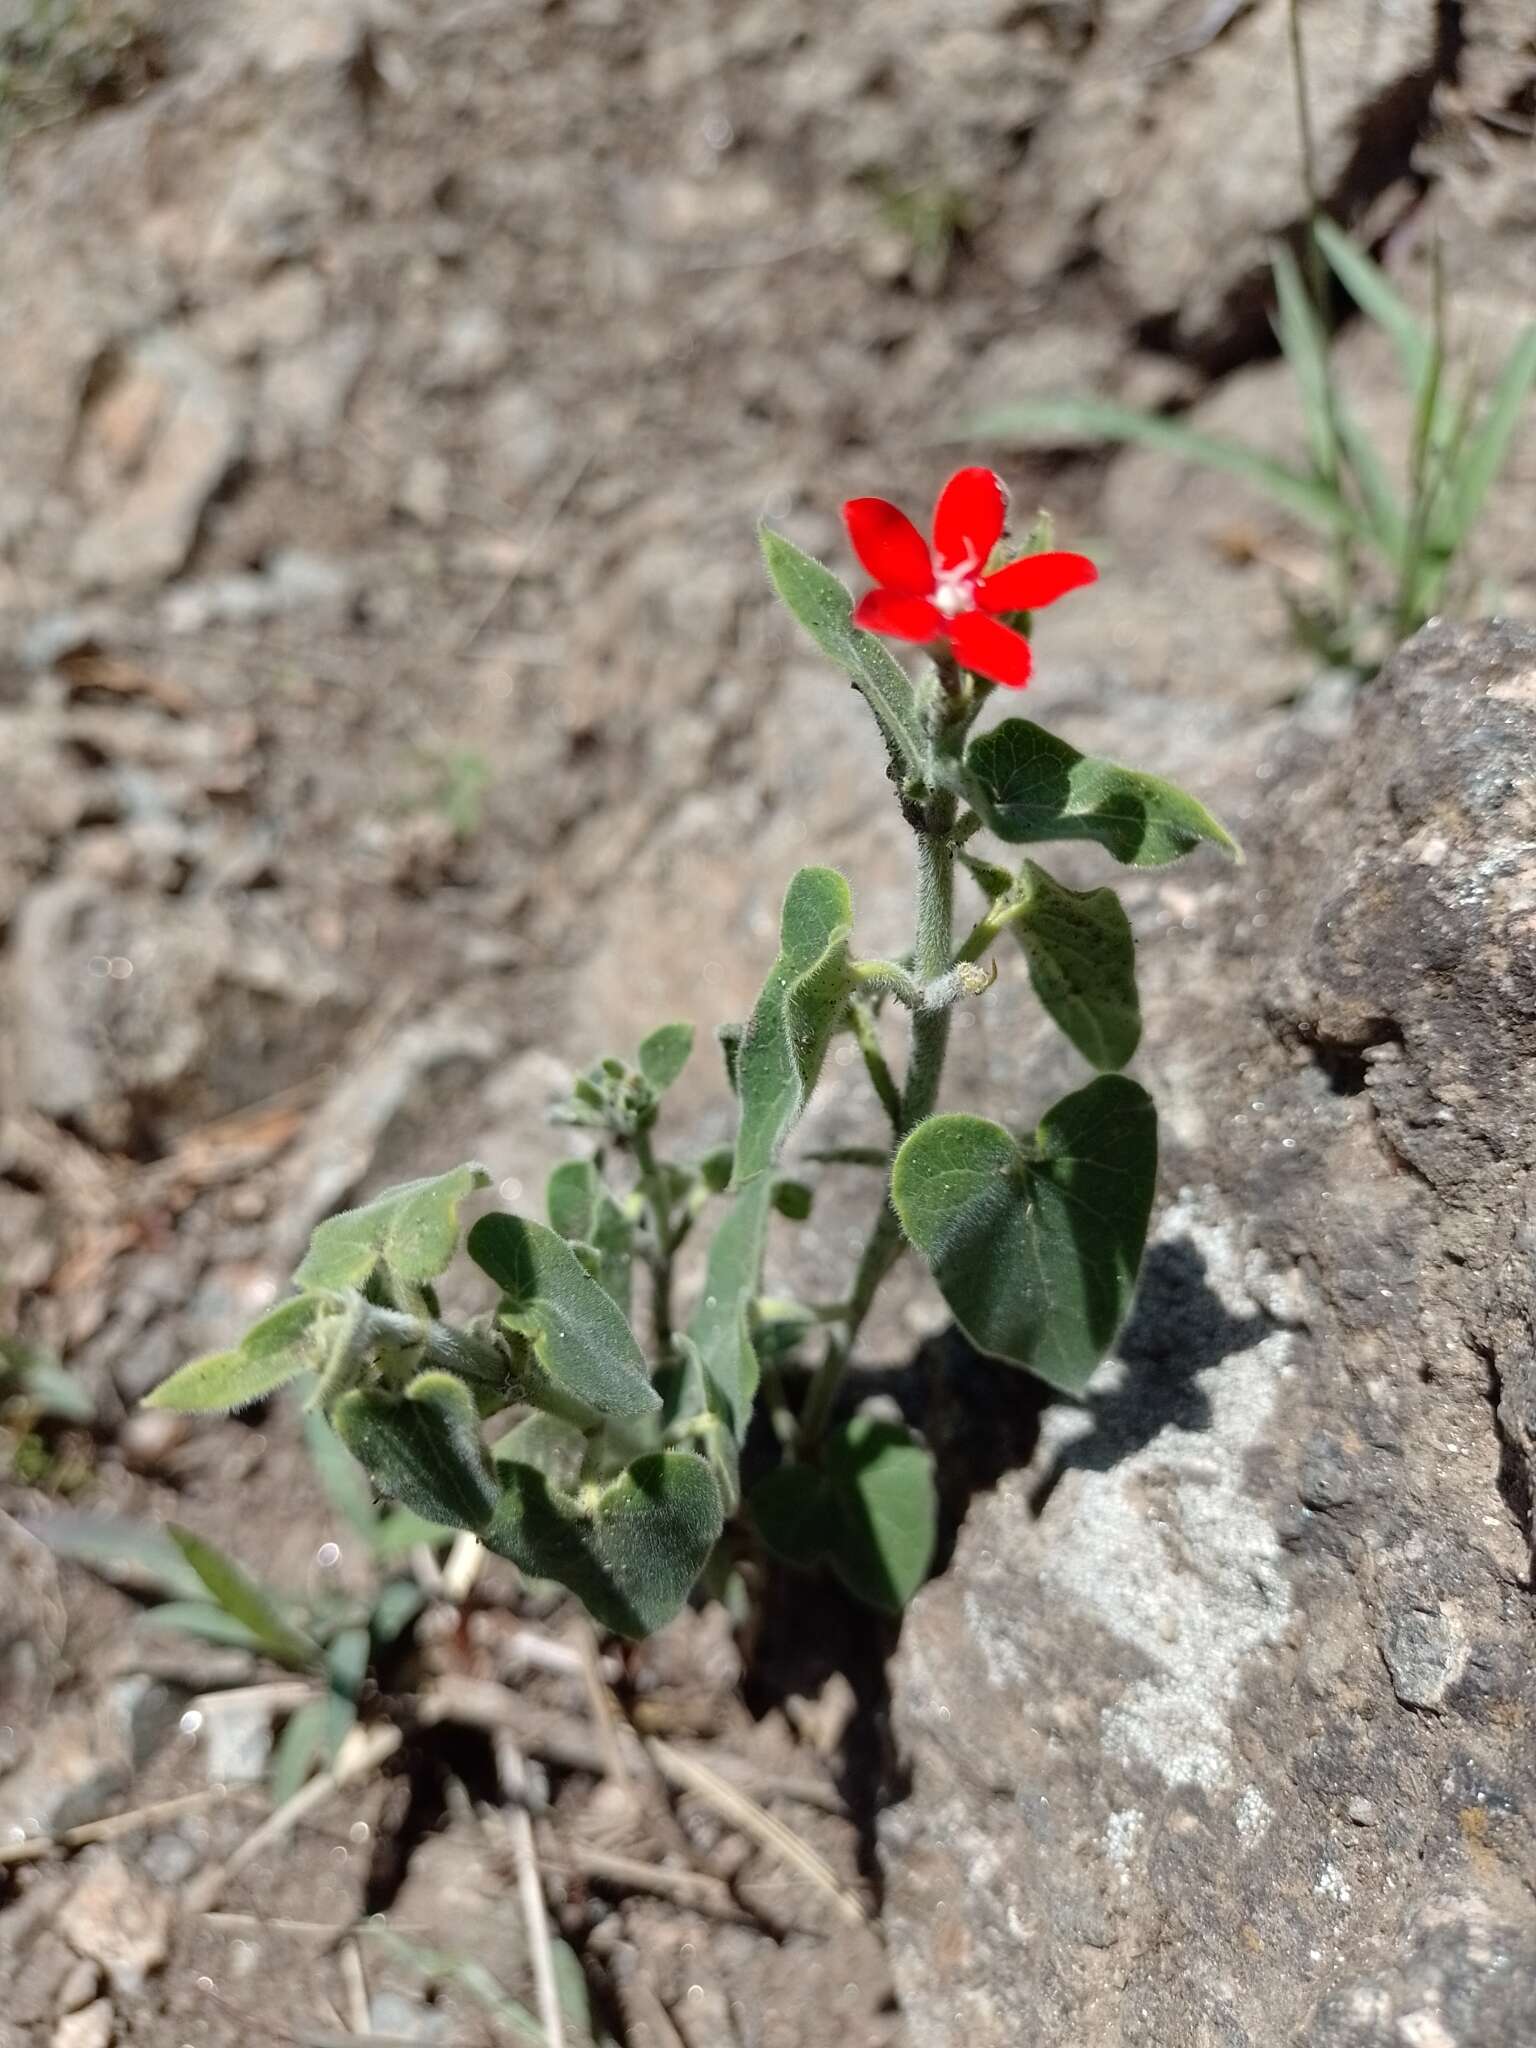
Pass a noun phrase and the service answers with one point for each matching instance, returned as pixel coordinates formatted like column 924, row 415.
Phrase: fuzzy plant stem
column 925, row 1070
column 653, row 1186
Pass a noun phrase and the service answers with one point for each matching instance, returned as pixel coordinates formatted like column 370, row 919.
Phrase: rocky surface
column 1219, row 1723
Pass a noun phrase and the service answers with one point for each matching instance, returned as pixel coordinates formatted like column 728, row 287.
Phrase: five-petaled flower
column 945, row 594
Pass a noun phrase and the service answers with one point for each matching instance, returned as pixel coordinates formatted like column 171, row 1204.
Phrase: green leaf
column 249, row 1604
column 825, row 609
column 1045, row 421
column 796, row 1015
column 1082, row 963
column 137, row 1556
column 1036, row 1247
column 208, row 1623
column 272, row 1351
column 422, row 1448
column 1367, row 285
column 871, row 1512
column 299, row 1749
column 395, row 1607
column 1029, row 785
column 885, row 1510
column 792, row 1512
column 793, row 1199
column 582, row 1211
column 578, row 1333
column 630, row 1551
column 341, row 1478
column 412, row 1229
column 1484, row 454
column 721, row 1325
column 38, row 1378
column 665, row 1053
column 550, row 1445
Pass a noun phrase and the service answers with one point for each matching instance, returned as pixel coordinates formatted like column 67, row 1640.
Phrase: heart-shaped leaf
column 1082, row 960
column 630, row 1551
column 582, row 1211
column 422, row 1448
column 272, row 1351
column 664, row 1054
column 825, row 609
column 792, row 1511
column 1036, row 1247
column 246, row 1603
column 721, row 1326
column 796, row 1014
column 413, row 1229
column 870, row 1511
column 885, row 1510
column 1027, row 784
column 578, row 1333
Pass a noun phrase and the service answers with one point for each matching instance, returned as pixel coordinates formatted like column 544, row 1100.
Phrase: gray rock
column 1216, row 1722
column 172, row 429
column 119, row 1921
column 91, row 2027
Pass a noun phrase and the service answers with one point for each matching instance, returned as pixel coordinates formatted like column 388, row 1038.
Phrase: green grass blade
column 1305, row 344
column 1367, row 284
column 1039, row 420
column 1484, row 454
column 249, row 1604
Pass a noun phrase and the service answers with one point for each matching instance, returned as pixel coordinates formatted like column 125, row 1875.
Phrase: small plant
column 333, row 1638
column 620, row 1473
column 1415, row 527
column 59, row 56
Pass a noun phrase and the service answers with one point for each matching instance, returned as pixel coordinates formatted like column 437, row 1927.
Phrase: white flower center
column 954, row 589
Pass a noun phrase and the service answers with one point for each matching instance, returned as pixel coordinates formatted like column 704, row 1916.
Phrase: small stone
column 473, row 346
column 120, row 1921
column 91, row 2027
column 169, row 1859
column 1362, row 1812
column 80, row 1986
column 390, row 2012
column 1425, row 1655
column 238, row 1738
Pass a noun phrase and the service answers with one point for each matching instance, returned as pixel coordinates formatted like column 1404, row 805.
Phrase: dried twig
column 687, row 1888
column 35, row 1847
column 691, row 1774
column 513, row 1773
column 604, row 1719
column 354, row 1979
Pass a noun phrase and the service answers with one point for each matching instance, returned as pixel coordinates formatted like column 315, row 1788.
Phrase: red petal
column 968, row 519
column 1037, row 580
column 991, row 650
column 896, row 612
column 889, row 546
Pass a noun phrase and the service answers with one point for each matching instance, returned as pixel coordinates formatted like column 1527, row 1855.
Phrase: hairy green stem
column 925, row 1070
column 653, row 1186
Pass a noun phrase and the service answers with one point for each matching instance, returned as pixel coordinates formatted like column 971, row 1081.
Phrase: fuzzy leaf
column 299, row 1749
column 795, row 1017
column 548, row 1444
column 1082, row 963
column 1028, row 785
column 582, row 1211
column 272, row 1352
column 825, row 609
column 664, row 1054
column 630, row 1551
column 578, row 1332
column 209, row 1624
column 422, row 1448
column 1036, row 1247
column 792, row 1512
column 885, row 1511
column 413, row 1229
column 341, row 1479
column 247, row 1603
column 721, row 1325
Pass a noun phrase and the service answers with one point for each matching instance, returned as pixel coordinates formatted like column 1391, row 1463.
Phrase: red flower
column 944, row 594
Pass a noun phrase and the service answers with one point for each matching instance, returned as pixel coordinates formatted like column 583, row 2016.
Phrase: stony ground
column 388, row 698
